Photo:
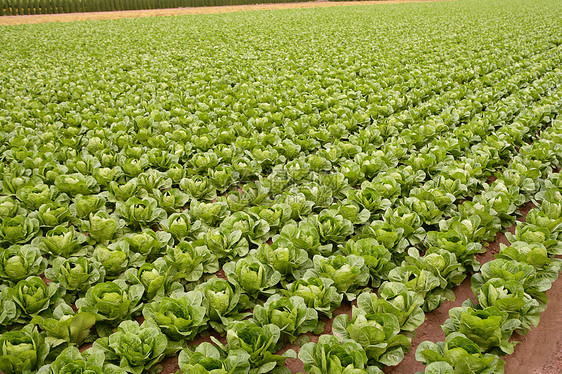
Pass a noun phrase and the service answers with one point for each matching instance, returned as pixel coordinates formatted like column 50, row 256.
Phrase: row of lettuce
column 510, row 294
column 412, row 283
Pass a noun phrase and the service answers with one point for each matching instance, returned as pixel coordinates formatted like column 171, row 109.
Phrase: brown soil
column 70, row 17
column 540, row 351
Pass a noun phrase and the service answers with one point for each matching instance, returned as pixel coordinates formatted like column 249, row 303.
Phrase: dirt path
column 70, row 17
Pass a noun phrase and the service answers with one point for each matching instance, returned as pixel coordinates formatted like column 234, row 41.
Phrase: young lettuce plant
column 348, row 273
column 32, row 297
column 260, row 342
column 332, row 227
column 457, row 243
column 510, row 297
column 140, row 212
column 10, row 208
column 368, row 197
column 102, row 227
column 305, row 236
column 394, row 298
column 531, row 233
column 430, row 276
column 180, row 316
column 411, row 223
column 388, row 235
column 66, row 326
column 51, row 215
column 199, row 188
column 290, row 314
column 18, row 230
column 317, row 293
column 148, row 243
column 253, row 228
column 84, row 205
column 63, row 241
column 378, row 334
column 254, row 277
column 208, row 359
column 377, row 257
column 224, row 303
column 19, row 262
column 116, row 258
column 509, row 270
column 330, row 355
column 123, row 191
column 352, row 212
column 229, row 245
column 457, row 354
column 8, row 313
column 71, row 361
column 76, row 274
column 284, row 257
column 22, row 351
column 275, row 215
column 211, row 214
column 76, row 184
column 154, row 278
column 535, row 254
column 170, row 200
column 112, row 302
column 490, row 328
column 135, row 348
column 33, row 196
column 187, row 262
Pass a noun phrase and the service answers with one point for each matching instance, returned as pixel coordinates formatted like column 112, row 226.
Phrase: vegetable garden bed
column 280, row 191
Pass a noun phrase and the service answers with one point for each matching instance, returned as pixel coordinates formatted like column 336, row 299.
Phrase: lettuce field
column 279, row 191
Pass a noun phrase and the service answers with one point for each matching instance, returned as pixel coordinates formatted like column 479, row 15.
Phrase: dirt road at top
column 71, row 17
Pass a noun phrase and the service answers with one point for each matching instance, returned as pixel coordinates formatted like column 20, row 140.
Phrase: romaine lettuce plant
column 22, row 350
column 207, row 359
column 180, row 316
column 290, row 314
column 330, row 355
column 18, row 262
column 135, row 348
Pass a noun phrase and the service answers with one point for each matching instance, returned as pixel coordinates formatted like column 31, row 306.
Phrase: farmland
column 280, row 191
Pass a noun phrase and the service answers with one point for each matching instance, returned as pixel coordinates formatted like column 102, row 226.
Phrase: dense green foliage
column 246, row 174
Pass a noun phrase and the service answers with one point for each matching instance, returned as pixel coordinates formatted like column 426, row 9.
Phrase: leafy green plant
column 254, row 277
column 260, row 342
column 19, row 262
column 180, row 316
column 22, row 350
column 317, row 293
column 223, row 302
column 457, row 354
column 134, row 347
column 290, row 314
column 207, row 359
column 330, row 355
column 348, row 273
column 70, row 360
